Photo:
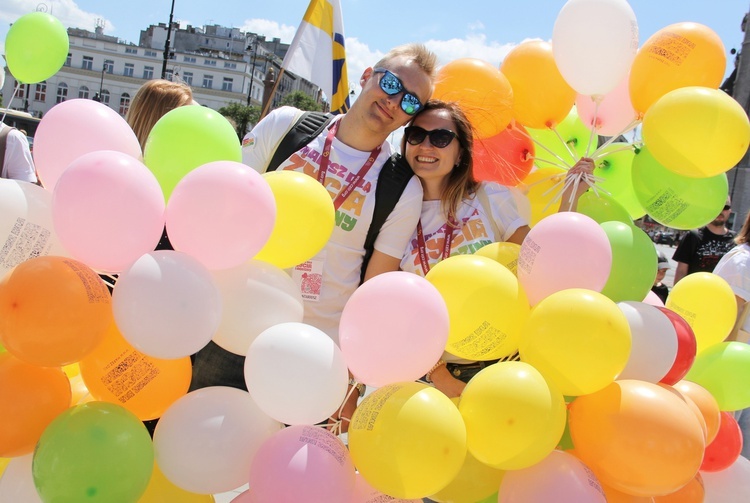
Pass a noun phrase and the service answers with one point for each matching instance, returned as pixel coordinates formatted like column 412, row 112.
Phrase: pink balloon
column 393, row 328
column 76, row 127
column 365, row 493
column 302, row 463
column 653, row 299
column 562, row 251
column 244, row 497
column 108, row 210
column 614, row 114
column 221, row 213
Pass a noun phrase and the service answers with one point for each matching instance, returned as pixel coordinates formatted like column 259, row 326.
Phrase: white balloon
column 594, row 43
column 255, row 296
column 654, row 347
column 731, row 485
column 167, row 305
column 206, row 440
column 17, row 482
column 296, row 373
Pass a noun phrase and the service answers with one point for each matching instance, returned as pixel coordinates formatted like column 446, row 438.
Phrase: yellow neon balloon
column 503, row 253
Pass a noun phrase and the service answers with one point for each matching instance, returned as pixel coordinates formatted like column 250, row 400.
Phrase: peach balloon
column 706, row 403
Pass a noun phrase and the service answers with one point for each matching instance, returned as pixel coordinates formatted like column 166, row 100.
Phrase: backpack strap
column 392, row 180
column 3, row 141
column 484, row 200
column 306, row 129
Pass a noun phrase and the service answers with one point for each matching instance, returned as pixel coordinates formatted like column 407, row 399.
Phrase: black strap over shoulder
column 307, row 128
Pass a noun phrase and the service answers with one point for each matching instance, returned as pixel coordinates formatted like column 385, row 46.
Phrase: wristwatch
column 360, row 387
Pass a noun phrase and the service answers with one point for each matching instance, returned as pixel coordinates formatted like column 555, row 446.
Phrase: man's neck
column 719, row 230
column 356, row 135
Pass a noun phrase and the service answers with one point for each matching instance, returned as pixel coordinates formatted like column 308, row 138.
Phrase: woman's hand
column 445, row 382
column 576, row 184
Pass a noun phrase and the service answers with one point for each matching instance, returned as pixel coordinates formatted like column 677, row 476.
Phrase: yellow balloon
column 78, row 390
column 539, row 188
column 503, row 253
column 72, row 370
column 407, row 440
column 3, row 463
column 161, row 490
column 680, row 55
column 305, row 218
column 514, row 419
column 578, row 339
column 486, row 305
column 707, row 303
column 697, row 131
column 541, row 96
column 475, row 482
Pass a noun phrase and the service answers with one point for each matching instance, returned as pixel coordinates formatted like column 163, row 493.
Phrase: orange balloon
column 693, row 492
column 482, row 91
column 638, row 437
column 30, row 398
column 680, row 55
column 541, row 96
column 506, row 158
column 53, row 311
column 116, row 372
column 706, row 403
column 615, row 496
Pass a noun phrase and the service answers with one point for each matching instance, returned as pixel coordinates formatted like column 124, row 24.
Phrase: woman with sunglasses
column 459, row 215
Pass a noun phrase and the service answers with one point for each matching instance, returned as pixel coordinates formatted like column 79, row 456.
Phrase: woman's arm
column 569, row 201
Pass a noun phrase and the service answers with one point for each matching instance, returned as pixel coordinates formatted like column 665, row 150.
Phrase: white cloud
column 271, row 29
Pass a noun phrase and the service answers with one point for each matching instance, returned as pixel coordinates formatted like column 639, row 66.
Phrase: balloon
column 514, row 419
column 16, row 483
column 506, row 158
column 652, row 299
column 728, row 486
column 673, row 200
column 76, row 127
column 615, row 167
column 404, row 344
column 185, row 138
column 221, row 213
column 26, row 211
column 686, row 347
column 602, row 208
column 365, row 493
column 721, row 368
column 565, row 144
column 473, row 483
column 486, row 306
column 611, row 115
column 166, row 305
column 30, row 398
column 638, row 437
column 539, row 187
column 504, row 253
column 615, row 496
column 706, row 302
column 108, row 210
column 541, row 97
column 255, row 296
column 302, row 463
column 482, row 91
column 654, row 340
column 568, row 238
column 206, row 441
column 407, row 440
column 296, row 373
column 633, row 262
column 559, row 477
column 679, row 55
column 116, row 372
column 160, row 489
column 69, row 461
column 53, row 311
column 692, row 492
column 707, row 406
column 697, row 131
column 726, row 447
column 578, row 339
column 305, row 219
column 36, row 47
column 594, row 43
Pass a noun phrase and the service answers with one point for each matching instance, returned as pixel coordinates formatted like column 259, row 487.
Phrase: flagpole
column 273, row 92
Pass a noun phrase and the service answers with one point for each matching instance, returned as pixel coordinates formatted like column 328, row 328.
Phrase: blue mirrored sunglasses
column 392, row 85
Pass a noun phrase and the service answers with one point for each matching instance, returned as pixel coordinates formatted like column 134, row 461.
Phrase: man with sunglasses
column 346, row 157
column 701, row 249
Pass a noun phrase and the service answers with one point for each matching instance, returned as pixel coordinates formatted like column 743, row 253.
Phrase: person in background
column 659, row 288
column 154, row 99
column 701, row 249
column 15, row 157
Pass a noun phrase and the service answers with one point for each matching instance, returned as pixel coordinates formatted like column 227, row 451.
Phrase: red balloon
column 505, row 158
column 686, row 348
column 726, row 446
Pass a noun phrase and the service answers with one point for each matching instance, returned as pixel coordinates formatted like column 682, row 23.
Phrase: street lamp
column 167, row 43
column 252, row 69
column 98, row 96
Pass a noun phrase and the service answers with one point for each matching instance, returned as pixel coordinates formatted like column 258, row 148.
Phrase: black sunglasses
column 392, row 85
column 439, row 138
column 727, row 207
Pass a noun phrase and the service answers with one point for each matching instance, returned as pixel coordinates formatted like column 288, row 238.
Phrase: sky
column 485, row 29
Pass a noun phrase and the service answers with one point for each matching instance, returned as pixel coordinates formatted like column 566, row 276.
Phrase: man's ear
column 365, row 76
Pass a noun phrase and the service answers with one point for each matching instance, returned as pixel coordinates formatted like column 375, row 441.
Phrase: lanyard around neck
column 450, row 229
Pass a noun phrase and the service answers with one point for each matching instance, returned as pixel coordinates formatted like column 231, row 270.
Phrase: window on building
column 83, row 92
column 67, row 60
column 188, row 59
column 40, row 91
column 187, row 77
column 148, row 72
column 151, row 54
column 105, row 96
column 168, row 75
column 233, row 66
column 22, row 90
column 209, row 62
column 129, row 69
column 62, row 92
column 124, row 104
column 208, row 81
column 88, row 63
column 227, row 84
column 109, row 66
column 131, row 50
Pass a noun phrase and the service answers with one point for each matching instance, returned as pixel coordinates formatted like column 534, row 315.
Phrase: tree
column 300, row 100
column 242, row 116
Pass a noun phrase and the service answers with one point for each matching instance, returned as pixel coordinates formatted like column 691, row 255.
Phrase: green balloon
column 489, row 499
column 36, row 47
column 724, row 370
column 185, row 138
column 602, row 208
column 575, row 139
column 615, row 167
column 634, row 262
column 91, row 453
column 677, row 201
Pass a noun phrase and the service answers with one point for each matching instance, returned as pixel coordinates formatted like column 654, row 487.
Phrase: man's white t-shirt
column 17, row 163
column 341, row 259
column 734, row 267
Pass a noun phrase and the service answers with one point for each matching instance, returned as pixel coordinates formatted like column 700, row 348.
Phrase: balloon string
column 628, row 128
column 596, row 100
column 536, row 142
column 556, row 164
column 336, row 429
column 570, row 151
column 7, row 107
column 604, row 154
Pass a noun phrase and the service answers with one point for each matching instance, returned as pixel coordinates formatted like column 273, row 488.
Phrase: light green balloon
column 724, row 370
column 677, row 201
column 97, row 452
column 634, row 262
column 615, row 167
column 185, row 138
column 36, row 47
column 575, row 136
column 602, row 208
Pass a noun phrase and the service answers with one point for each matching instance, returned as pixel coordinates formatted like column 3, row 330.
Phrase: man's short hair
column 425, row 59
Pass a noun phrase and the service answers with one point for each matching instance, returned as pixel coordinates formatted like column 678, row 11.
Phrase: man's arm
column 680, row 272
column 380, row 263
column 18, row 162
